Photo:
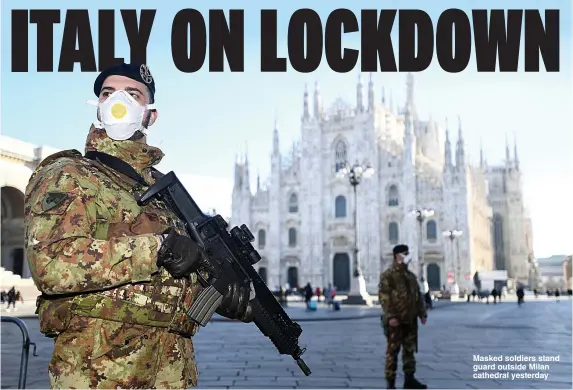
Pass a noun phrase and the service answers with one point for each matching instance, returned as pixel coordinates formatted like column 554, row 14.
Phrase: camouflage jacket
column 399, row 294
column 92, row 249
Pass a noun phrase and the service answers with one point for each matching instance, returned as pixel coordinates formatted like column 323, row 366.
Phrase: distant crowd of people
column 485, row 294
column 307, row 293
column 520, row 292
column 11, row 297
column 553, row 293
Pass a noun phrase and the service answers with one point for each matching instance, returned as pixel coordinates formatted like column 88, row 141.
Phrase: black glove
column 235, row 304
column 179, row 255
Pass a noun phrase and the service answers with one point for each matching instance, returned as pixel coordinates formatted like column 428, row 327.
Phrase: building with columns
column 555, row 272
column 302, row 215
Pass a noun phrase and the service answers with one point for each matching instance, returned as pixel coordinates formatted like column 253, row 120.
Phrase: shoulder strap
column 117, row 165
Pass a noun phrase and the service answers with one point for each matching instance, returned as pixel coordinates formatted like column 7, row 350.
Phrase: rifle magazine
column 205, row 305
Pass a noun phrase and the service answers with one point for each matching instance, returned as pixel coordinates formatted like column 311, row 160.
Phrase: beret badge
column 145, row 74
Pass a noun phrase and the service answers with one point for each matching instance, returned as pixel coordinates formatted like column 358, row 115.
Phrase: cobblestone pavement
column 350, row 354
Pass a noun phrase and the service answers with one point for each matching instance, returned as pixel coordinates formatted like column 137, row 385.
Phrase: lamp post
column 453, row 235
column 421, row 215
column 356, row 173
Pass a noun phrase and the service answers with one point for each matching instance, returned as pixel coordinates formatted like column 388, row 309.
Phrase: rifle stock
column 231, row 258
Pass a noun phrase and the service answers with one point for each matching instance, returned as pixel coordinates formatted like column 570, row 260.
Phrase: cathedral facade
column 303, row 217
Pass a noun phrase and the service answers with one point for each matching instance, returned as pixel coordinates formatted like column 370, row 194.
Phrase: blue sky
column 205, row 119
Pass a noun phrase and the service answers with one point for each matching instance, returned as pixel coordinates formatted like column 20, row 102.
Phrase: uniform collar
column 137, row 154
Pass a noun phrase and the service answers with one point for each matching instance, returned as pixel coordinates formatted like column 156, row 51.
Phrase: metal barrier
column 25, row 348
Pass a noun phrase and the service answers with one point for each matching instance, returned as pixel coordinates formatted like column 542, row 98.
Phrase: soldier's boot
column 412, row 383
column 391, row 383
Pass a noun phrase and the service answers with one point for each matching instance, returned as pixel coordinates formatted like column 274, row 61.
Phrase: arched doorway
column 12, row 230
column 341, row 271
column 292, row 277
column 433, row 276
column 18, row 261
column 263, row 274
column 12, row 203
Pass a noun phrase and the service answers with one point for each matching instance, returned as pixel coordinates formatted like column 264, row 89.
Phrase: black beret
column 137, row 72
column 400, row 249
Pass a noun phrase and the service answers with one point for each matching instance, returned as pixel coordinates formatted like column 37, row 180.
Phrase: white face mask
column 406, row 258
column 121, row 115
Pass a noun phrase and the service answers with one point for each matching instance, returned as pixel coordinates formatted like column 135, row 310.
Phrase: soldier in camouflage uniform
column 402, row 303
column 116, row 278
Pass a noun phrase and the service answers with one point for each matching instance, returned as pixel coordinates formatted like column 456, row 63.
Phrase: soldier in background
column 116, row 278
column 402, row 304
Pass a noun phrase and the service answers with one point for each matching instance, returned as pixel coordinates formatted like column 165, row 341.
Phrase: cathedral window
column 498, row 242
column 262, row 238
column 393, row 198
column 293, row 204
column 292, row 237
column 340, row 207
column 340, row 155
column 393, row 234
column 431, row 231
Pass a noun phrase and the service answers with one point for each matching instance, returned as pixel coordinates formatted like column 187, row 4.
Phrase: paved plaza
column 350, row 353
column 295, row 309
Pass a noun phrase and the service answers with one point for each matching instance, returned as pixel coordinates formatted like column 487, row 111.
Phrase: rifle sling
column 117, row 165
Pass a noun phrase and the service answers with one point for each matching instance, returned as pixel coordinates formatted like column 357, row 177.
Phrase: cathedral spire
column 359, row 97
column 447, row 148
column 305, row 110
column 407, row 120
column 481, row 160
column 391, row 101
column 258, row 182
column 410, row 91
column 317, row 102
column 370, row 94
column 460, row 152
column 515, row 156
column 507, row 154
column 409, row 139
column 238, row 173
column 246, row 177
column 276, row 138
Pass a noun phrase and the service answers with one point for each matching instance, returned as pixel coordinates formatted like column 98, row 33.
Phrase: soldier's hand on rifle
column 393, row 322
column 179, row 255
column 235, row 304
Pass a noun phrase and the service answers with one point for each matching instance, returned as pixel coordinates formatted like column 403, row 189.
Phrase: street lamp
column 356, row 173
column 452, row 235
column 421, row 215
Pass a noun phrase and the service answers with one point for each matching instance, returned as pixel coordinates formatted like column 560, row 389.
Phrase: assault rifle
column 231, row 258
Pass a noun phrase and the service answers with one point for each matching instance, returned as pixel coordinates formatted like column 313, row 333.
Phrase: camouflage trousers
column 403, row 335
column 99, row 354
